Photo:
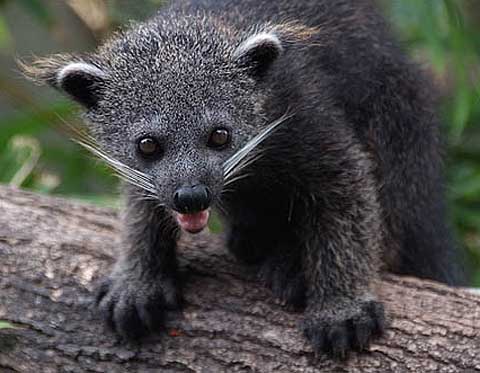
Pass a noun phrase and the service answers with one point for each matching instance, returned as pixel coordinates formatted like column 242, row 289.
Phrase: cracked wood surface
column 52, row 251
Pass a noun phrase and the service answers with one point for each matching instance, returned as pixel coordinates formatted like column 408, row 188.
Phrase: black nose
column 190, row 199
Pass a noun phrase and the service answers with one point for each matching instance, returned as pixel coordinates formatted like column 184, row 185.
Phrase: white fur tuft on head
column 267, row 39
column 79, row 68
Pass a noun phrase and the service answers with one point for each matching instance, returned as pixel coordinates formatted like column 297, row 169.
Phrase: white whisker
column 243, row 164
column 236, row 178
column 236, row 158
column 222, row 208
column 125, row 172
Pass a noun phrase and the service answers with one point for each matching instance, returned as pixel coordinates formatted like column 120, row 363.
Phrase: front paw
column 134, row 308
column 343, row 325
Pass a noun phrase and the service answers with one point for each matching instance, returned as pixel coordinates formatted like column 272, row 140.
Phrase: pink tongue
column 193, row 223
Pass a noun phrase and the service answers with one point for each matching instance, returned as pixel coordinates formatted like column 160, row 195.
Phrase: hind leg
column 283, row 274
column 261, row 234
column 279, row 260
column 250, row 244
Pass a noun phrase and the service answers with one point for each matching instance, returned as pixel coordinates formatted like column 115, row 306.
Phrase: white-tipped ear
column 79, row 68
column 259, row 51
column 82, row 81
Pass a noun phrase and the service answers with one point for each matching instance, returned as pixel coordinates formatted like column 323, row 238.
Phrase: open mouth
column 193, row 223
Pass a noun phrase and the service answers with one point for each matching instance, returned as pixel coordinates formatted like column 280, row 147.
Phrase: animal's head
column 172, row 104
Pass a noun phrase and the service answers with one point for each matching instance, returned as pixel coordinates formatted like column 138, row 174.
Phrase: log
column 53, row 250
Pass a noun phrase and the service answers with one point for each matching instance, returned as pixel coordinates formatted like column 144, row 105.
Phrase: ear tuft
column 78, row 68
column 258, row 52
column 81, row 80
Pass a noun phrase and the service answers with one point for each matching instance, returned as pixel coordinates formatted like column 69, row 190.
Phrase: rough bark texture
column 52, row 251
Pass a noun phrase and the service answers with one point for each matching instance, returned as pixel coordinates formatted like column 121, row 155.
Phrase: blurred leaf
column 39, row 11
column 26, row 151
column 467, row 217
column 5, row 37
column 461, row 112
column 33, row 121
column 462, row 51
column 454, row 13
column 105, row 200
column 215, row 224
column 19, row 159
column 44, row 182
column 476, row 279
column 468, row 188
column 6, row 325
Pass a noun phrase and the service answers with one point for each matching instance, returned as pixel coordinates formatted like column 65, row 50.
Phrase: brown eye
column 219, row 138
column 148, row 147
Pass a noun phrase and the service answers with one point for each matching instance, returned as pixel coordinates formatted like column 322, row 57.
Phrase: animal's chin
column 193, row 223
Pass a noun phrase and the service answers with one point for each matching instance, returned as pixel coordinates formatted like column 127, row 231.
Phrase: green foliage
column 38, row 10
column 6, row 325
column 35, row 151
column 215, row 223
column 4, row 33
column 445, row 35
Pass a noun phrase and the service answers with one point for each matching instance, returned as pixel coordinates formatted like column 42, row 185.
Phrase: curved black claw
column 336, row 331
column 134, row 309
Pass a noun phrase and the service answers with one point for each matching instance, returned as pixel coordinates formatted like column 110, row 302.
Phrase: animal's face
column 171, row 104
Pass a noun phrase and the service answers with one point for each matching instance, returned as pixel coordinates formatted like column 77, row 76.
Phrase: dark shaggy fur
column 349, row 183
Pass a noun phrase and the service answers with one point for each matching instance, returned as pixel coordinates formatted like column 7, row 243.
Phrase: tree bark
column 52, row 251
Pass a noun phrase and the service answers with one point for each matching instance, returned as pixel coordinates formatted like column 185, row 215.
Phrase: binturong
column 302, row 122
